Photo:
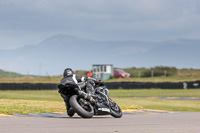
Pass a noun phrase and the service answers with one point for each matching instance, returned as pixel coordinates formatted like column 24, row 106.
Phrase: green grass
column 50, row 101
column 134, row 98
column 10, row 106
column 39, row 95
column 160, row 104
column 29, row 79
column 56, row 79
column 31, row 102
column 155, row 79
column 155, row 93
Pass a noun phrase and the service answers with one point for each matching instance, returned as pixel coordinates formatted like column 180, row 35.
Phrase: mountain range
column 54, row 54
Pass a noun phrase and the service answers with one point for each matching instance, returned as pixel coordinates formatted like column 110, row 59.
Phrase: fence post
column 139, row 74
column 152, row 73
column 165, row 73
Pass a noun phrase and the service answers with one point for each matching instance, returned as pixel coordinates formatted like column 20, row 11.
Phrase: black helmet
column 68, row 72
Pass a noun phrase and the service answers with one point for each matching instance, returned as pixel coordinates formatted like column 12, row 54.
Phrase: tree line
column 158, row 71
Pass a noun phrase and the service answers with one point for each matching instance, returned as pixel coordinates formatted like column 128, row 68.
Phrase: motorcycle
column 102, row 104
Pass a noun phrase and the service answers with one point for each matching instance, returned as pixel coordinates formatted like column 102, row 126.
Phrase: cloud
column 152, row 20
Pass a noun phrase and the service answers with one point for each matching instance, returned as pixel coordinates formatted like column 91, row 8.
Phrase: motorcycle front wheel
column 115, row 109
column 83, row 110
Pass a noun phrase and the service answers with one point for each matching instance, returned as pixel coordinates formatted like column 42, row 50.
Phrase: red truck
column 119, row 73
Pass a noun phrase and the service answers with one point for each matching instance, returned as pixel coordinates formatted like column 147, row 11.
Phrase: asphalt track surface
column 179, row 122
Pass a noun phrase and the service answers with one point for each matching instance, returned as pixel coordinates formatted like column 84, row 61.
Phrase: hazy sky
column 27, row 22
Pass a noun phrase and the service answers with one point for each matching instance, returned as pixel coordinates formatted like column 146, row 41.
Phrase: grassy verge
column 155, row 79
column 38, row 95
column 155, row 93
column 50, row 100
column 28, row 79
column 10, row 106
column 129, row 98
column 56, row 79
column 160, row 104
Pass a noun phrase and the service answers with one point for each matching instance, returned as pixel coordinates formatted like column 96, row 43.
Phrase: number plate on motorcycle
column 104, row 109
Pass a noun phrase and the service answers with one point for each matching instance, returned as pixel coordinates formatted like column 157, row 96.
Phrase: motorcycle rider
column 69, row 76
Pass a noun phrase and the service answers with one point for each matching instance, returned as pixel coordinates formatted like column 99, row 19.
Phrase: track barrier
column 27, row 86
column 110, row 85
column 149, row 85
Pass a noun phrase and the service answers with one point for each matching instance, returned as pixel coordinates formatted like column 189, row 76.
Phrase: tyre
column 85, row 111
column 115, row 109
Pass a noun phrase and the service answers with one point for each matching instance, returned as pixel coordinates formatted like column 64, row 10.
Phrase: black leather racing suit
column 90, row 83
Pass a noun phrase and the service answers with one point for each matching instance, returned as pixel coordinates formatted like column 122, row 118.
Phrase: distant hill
column 54, row 54
column 159, row 71
column 5, row 74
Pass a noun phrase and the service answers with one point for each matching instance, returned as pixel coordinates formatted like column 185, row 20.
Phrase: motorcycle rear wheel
column 115, row 109
column 87, row 111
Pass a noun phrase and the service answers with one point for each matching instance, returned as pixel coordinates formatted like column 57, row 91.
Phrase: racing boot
column 70, row 111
